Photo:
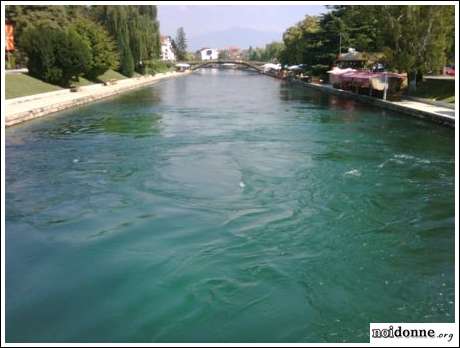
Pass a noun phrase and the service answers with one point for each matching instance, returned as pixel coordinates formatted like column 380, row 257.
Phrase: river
column 226, row 206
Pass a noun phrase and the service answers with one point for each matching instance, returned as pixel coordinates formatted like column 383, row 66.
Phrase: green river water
column 226, row 207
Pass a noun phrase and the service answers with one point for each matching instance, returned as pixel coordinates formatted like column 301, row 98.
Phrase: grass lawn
column 20, row 85
column 82, row 82
column 111, row 75
column 439, row 90
column 108, row 75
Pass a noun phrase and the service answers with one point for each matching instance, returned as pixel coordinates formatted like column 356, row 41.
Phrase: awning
column 270, row 66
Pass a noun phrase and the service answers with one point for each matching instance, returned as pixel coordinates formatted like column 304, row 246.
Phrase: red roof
column 163, row 38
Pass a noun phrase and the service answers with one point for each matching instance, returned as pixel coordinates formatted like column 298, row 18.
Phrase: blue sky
column 200, row 20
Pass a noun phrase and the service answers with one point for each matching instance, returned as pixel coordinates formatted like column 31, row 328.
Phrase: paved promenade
column 25, row 108
column 438, row 114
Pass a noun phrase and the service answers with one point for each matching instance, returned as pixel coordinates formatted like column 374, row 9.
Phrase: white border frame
column 410, row 343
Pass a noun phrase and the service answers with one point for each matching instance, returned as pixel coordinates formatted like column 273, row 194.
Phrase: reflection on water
column 226, row 207
column 140, row 124
column 128, row 114
column 109, row 122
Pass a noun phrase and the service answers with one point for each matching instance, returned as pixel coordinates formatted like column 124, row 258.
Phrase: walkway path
column 21, row 109
column 439, row 114
column 17, row 71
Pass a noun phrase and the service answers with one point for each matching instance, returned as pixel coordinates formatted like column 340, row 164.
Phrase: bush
column 10, row 61
column 55, row 55
column 155, row 66
column 38, row 43
column 20, row 59
column 73, row 56
column 103, row 48
column 319, row 70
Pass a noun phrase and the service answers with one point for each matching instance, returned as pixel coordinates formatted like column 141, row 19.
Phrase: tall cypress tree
column 180, row 44
column 126, row 57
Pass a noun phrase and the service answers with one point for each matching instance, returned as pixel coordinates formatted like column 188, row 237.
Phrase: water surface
column 226, row 207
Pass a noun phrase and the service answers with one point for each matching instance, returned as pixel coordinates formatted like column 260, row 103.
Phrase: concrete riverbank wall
column 22, row 109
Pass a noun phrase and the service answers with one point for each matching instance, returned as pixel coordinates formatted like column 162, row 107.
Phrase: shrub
column 38, row 43
column 10, row 61
column 55, row 55
column 155, row 66
column 319, row 70
column 103, row 48
column 20, row 59
column 73, row 56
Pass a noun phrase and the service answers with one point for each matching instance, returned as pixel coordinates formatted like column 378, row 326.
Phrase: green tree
column 180, row 44
column 126, row 57
column 254, row 54
column 413, row 38
column 303, row 42
column 73, row 56
column 354, row 26
column 104, row 52
column 55, row 55
column 223, row 54
column 24, row 16
column 39, row 45
column 417, row 38
column 249, row 53
column 189, row 56
column 136, row 30
column 273, row 51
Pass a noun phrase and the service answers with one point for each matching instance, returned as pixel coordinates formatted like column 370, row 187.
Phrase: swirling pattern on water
column 226, row 207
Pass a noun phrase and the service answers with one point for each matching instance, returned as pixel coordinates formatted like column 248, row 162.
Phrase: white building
column 167, row 52
column 209, row 53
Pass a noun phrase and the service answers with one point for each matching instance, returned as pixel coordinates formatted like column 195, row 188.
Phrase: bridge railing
column 223, row 61
column 203, row 63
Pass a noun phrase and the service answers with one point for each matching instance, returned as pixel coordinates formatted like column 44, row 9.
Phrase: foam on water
column 353, row 172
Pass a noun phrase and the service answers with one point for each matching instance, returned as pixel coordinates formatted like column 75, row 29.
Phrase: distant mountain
column 240, row 37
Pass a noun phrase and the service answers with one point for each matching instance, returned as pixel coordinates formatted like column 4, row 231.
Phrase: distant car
column 449, row 70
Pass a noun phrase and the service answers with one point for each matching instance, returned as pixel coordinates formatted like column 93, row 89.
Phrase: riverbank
column 30, row 107
column 435, row 113
column 18, row 83
column 22, row 109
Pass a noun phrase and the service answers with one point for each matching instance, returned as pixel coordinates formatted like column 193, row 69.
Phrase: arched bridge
column 257, row 66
